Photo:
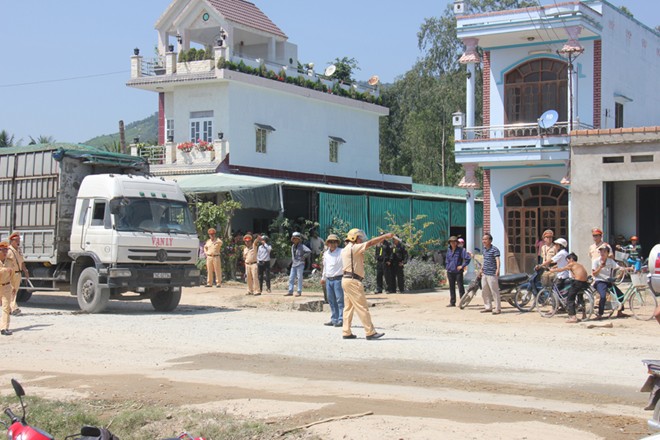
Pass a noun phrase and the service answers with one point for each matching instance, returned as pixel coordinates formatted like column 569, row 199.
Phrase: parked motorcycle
column 527, row 292
column 508, row 285
column 652, row 386
column 19, row 428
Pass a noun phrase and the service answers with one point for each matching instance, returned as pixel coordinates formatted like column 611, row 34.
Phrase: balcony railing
column 155, row 155
column 518, row 131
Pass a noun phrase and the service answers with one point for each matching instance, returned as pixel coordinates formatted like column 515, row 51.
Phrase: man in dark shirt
column 456, row 262
column 398, row 259
column 383, row 255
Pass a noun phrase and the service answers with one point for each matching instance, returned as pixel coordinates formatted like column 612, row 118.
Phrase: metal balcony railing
column 155, row 155
column 519, row 131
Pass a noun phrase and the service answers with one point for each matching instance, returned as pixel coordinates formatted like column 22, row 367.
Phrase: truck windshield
column 151, row 215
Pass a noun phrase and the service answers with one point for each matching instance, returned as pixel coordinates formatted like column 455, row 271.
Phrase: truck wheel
column 166, row 301
column 91, row 298
column 23, row 296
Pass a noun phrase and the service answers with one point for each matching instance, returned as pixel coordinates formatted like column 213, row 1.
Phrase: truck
column 96, row 224
column 654, row 269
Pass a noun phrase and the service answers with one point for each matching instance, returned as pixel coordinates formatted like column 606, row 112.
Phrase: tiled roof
column 247, row 14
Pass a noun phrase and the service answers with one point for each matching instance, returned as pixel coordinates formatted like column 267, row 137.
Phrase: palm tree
column 42, row 140
column 6, row 140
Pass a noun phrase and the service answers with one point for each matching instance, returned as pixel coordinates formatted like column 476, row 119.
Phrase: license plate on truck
column 162, row 275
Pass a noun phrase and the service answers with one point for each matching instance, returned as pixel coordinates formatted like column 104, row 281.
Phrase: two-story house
column 549, row 71
column 239, row 114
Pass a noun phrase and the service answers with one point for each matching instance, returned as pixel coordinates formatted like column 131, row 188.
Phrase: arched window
column 534, row 87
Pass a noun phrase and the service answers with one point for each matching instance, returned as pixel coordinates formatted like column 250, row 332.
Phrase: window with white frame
column 169, row 130
column 201, row 126
column 262, row 131
column 334, row 143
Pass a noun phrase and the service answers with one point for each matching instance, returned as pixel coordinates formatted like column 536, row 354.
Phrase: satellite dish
column 374, row 80
column 330, row 70
column 548, row 119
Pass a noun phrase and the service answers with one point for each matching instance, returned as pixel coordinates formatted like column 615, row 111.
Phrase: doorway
column 528, row 211
column 648, row 209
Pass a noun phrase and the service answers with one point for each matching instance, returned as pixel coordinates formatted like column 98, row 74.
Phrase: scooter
column 652, row 386
column 508, row 285
column 18, row 428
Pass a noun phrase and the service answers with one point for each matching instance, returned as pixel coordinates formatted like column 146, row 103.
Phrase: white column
column 272, row 55
column 470, row 58
column 470, row 98
column 469, row 220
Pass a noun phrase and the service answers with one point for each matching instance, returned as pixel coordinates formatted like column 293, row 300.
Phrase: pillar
column 470, row 58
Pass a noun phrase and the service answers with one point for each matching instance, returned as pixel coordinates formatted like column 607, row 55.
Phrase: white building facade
column 548, row 71
column 260, row 110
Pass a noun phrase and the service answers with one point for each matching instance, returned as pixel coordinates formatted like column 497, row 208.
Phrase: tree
column 345, row 68
column 42, row 140
column 417, row 138
column 6, row 139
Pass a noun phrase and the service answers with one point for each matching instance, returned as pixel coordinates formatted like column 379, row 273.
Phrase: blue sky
column 90, row 42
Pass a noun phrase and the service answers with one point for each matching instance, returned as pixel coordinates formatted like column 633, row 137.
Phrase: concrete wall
column 636, row 78
column 589, row 174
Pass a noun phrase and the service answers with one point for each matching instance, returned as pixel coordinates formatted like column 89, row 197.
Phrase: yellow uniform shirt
column 212, row 248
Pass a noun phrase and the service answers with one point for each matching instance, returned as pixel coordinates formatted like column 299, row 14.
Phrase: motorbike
column 19, row 428
column 527, row 292
column 508, row 285
column 652, row 386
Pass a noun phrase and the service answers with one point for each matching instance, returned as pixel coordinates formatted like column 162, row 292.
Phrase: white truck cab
column 137, row 234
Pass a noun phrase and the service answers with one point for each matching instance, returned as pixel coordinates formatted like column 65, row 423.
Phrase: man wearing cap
column 331, row 279
column 250, row 259
column 352, row 258
column 597, row 235
column 213, row 249
column 456, row 262
column 6, row 289
column 17, row 263
column 299, row 253
column 263, row 263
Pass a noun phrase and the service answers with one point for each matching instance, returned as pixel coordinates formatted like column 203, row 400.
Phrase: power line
column 45, row 81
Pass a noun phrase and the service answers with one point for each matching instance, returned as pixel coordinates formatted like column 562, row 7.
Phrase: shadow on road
column 41, row 304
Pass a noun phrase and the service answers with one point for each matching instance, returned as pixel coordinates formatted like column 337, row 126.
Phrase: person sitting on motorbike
column 603, row 271
column 634, row 250
column 579, row 284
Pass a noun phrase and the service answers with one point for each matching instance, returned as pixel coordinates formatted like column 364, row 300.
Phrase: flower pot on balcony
column 194, row 156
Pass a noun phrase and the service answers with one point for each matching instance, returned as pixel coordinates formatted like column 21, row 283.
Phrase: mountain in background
column 146, row 130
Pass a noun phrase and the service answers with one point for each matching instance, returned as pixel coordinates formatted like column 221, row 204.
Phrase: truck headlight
column 193, row 273
column 120, row 273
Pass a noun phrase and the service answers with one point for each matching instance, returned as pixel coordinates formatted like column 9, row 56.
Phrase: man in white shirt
column 331, row 279
column 559, row 260
column 603, row 270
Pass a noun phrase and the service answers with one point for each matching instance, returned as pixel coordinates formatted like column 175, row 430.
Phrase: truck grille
column 160, row 255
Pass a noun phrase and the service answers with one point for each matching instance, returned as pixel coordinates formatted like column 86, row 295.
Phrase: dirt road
column 462, row 374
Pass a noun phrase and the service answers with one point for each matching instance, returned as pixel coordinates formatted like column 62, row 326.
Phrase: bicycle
column 641, row 301
column 550, row 300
